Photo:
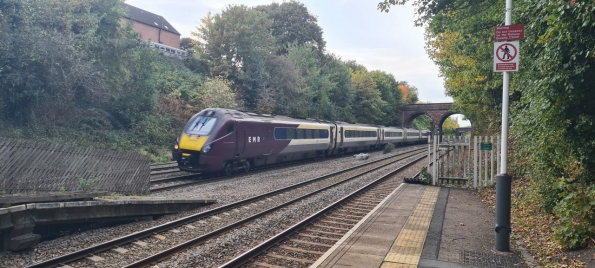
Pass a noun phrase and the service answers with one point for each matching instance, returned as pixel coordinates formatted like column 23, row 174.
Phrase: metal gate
column 461, row 160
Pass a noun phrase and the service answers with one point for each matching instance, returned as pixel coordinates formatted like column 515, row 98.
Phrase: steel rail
column 217, row 178
column 256, row 251
column 199, row 240
column 60, row 260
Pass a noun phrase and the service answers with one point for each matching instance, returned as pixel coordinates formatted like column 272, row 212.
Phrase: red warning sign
column 509, row 32
column 506, row 56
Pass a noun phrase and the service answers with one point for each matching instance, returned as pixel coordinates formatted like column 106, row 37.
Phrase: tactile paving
column 407, row 248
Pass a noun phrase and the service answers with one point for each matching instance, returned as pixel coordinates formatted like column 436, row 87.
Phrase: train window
column 200, row 125
column 300, row 134
column 291, row 133
column 281, row 133
column 308, row 133
column 230, row 129
column 324, row 134
column 316, row 133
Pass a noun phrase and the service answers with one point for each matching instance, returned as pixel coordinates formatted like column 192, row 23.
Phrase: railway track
column 305, row 242
column 158, row 243
column 188, row 179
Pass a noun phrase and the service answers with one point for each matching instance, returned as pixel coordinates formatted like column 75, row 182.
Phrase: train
column 218, row 140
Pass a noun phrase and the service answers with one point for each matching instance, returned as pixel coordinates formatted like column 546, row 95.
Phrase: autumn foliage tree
column 551, row 95
column 74, row 71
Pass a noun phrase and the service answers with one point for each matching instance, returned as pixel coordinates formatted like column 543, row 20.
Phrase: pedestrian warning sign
column 506, row 56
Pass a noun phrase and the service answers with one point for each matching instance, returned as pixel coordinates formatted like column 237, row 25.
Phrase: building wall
column 148, row 32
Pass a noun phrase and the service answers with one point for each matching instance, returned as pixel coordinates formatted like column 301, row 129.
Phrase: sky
column 353, row 30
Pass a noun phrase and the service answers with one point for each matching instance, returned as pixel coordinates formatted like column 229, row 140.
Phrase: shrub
column 425, row 176
column 389, row 147
column 576, row 220
column 87, row 185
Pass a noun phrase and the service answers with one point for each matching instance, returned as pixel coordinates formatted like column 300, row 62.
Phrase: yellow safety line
column 406, row 250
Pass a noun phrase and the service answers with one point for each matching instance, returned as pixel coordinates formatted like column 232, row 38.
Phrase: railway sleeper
column 322, row 232
column 331, row 227
column 262, row 264
column 302, row 250
column 299, row 241
column 332, row 240
column 342, row 220
column 276, row 256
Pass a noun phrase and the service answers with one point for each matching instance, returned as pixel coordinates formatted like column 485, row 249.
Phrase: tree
column 314, row 87
column 237, row 44
column 368, row 104
column 187, row 44
column 449, row 127
column 293, row 24
column 283, row 88
column 59, row 53
column 551, row 109
column 423, row 122
column 342, row 92
column 391, row 94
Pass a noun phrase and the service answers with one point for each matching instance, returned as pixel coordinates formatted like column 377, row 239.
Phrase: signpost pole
column 503, row 180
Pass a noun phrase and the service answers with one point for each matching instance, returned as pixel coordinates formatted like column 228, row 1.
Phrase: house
column 155, row 29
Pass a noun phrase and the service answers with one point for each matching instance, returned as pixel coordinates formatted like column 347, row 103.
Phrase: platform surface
column 414, row 227
column 392, row 235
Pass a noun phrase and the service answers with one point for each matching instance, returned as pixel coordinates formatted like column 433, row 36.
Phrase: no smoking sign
column 506, row 56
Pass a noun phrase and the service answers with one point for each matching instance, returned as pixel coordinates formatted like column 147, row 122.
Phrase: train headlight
column 206, row 149
column 176, row 146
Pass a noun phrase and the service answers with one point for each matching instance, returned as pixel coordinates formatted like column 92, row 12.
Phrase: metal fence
column 27, row 167
column 465, row 159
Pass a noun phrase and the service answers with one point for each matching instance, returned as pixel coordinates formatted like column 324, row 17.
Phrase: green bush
column 88, row 184
column 389, row 147
column 576, row 220
column 426, row 177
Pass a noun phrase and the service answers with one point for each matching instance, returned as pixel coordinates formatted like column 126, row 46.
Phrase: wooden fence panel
column 27, row 166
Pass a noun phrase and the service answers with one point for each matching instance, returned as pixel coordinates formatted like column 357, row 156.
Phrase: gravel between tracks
column 225, row 192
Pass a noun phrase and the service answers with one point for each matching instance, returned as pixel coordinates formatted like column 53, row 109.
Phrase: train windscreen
column 200, row 126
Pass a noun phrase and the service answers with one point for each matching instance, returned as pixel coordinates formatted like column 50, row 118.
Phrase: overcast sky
column 353, row 30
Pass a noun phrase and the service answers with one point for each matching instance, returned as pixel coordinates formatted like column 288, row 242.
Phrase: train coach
column 229, row 141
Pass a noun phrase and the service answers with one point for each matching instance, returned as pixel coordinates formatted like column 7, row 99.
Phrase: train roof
column 243, row 115
column 251, row 116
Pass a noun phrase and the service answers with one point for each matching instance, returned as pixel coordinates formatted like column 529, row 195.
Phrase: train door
column 405, row 136
column 340, row 137
column 240, row 140
column 333, row 141
column 227, row 143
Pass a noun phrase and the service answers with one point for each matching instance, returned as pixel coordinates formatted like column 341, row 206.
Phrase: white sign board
column 506, row 56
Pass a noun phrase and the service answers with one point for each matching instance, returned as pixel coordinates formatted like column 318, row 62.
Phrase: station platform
column 423, row 226
column 17, row 223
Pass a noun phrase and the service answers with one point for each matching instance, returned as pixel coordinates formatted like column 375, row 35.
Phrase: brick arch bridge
column 437, row 111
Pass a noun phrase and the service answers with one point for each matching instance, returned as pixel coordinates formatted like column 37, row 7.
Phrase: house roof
column 146, row 17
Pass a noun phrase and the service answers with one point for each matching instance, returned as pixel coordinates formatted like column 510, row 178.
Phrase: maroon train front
column 224, row 140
